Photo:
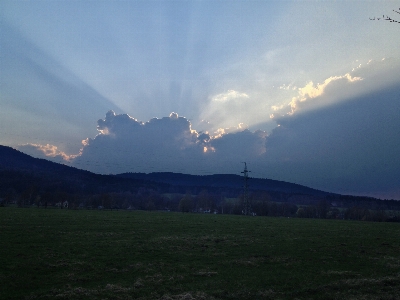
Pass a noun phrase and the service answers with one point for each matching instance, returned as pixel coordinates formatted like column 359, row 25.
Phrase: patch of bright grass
column 83, row 254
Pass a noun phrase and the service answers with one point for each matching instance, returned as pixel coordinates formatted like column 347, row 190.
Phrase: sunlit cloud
column 309, row 92
column 313, row 91
column 229, row 95
column 226, row 110
column 222, row 131
column 288, row 87
column 47, row 151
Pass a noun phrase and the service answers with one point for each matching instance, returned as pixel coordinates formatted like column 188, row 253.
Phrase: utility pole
column 246, row 200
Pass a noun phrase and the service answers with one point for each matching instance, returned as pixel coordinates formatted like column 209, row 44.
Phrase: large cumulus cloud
column 125, row 144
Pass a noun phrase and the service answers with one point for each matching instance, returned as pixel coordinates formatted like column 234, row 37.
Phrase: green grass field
column 83, row 254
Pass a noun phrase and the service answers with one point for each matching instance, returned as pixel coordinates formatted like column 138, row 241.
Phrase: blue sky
column 305, row 91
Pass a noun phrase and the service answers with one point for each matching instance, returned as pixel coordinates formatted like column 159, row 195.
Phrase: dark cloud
column 125, row 144
column 243, row 145
column 348, row 147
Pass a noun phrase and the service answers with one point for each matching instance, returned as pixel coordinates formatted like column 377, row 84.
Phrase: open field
column 84, row 254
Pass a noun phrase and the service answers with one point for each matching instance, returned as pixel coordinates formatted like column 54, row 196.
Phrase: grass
column 81, row 254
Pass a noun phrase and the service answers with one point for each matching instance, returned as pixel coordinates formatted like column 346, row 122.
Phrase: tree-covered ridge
column 27, row 181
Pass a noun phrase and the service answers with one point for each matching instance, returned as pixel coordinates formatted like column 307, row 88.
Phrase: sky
column 303, row 91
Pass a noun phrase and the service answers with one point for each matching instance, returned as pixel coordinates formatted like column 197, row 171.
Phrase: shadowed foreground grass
column 71, row 254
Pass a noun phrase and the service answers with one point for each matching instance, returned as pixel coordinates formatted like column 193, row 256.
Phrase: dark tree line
column 91, row 191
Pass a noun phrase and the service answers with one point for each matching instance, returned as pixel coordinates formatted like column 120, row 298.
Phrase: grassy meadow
column 89, row 254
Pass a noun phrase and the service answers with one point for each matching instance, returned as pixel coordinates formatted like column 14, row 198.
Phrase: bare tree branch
column 387, row 18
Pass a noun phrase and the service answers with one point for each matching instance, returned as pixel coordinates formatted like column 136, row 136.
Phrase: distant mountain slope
column 19, row 170
column 223, row 180
column 11, row 159
column 45, row 173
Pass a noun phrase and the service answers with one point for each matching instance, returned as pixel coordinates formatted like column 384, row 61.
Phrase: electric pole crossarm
column 246, row 200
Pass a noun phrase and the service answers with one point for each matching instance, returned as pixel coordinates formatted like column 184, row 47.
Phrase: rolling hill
column 47, row 172
column 26, row 179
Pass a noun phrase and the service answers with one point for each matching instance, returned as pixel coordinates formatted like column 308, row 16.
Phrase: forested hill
column 16, row 161
column 26, row 179
column 19, row 171
column 11, row 159
column 223, row 180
